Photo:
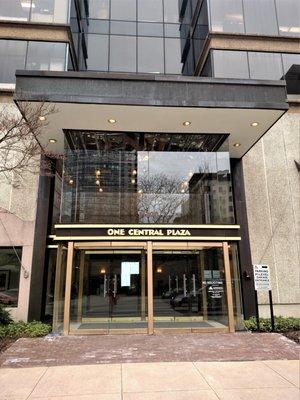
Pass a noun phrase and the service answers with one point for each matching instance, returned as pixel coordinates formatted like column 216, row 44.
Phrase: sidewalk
column 251, row 380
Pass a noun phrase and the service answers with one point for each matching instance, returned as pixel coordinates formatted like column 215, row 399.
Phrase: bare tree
column 20, row 139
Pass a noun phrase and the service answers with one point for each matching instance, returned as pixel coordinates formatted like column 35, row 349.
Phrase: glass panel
column 260, row 17
column 15, row 10
column 98, row 52
column 265, row 66
column 12, row 56
column 171, row 11
column 150, row 10
column 150, row 55
column 122, row 53
column 50, row 11
column 177, row 179
column 59, row 292
column 235, row 284
column 99, row 9
column 109, row 290
column 227, row 16
column 123, row 10
column 172, row 30
column 46, row 56
column 288, row 13
column 10, row 265
column 98, row 26
column 51, row 270
column 122, row 28
column 189, row 289
column 150, row 29
column 230, row 64
column 173, row 56
column 289, row 60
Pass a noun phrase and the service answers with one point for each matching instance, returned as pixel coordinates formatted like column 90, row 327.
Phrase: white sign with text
column 262, row 280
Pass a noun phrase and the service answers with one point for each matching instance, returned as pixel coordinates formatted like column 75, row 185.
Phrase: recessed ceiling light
column 134, row 172
column 97, row 182
column 236, row 144
column 187, row 123
column 71, row 181
column 52, row 140
column 100, row 190
column 112, row 120
column 42, row 118
column 254, row 124
column 133, row 181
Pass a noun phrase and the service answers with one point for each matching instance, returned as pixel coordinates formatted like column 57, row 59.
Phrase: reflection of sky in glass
column 128, row 268
column 181, row 165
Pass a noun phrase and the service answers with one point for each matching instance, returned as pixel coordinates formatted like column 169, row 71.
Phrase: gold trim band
column 141, row 226
column 152, row 238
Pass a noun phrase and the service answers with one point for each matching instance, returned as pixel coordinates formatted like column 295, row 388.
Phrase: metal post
column 256, row 310
column 272, row 311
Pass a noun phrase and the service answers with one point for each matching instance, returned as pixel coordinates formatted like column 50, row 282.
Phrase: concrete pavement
column 246, row 380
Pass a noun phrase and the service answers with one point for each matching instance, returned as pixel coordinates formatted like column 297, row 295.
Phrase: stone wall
column 17, row 225
column 272, row 184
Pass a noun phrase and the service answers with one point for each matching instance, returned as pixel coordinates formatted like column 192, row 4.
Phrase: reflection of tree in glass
column 160, row 198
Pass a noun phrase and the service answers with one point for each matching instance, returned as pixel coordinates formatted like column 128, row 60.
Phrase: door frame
column 148, row 246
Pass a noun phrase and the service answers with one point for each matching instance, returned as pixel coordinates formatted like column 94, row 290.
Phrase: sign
column 215, row 288
column 262, row 279
column 147, row 232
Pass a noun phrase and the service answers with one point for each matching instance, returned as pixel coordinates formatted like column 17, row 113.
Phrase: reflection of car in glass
column 179, row 300
column 167, row 294
column 9, row 297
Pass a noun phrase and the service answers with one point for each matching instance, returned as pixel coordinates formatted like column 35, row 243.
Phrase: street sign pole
column 256, row 310
column 271, row 311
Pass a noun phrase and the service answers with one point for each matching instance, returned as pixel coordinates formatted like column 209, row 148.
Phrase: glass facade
column 264, row 17
column 134, row 36
column 10, row 266
column 146, row 178
column 17, row 54
column 48, row 11
column 245, row 65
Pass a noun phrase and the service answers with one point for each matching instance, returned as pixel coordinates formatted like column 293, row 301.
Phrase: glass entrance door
column 189, row 289
column 108, row 290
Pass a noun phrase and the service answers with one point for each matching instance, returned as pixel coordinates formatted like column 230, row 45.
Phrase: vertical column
column 80, row 288
column 228, row 287
column 57, row 288
column 150, row 288
column 66, row 327
column 143, row 285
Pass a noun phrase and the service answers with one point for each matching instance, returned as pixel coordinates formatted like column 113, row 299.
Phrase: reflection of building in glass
column 210, row 197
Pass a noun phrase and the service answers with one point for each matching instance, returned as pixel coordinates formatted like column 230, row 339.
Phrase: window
column 265, row 65
column 230, row 64
column 150, row 29
column 122, row 28
column 151, row 11
column 46, row 56
column 173, row 52
column 10, row 275
column 50, row 11
column 288, row 12
column 12, row 56
column 171, row 11
column 227, row 16
column 289, row 60
column 122, row 53
column 150, row 55
column 260, row 17
column 97, row 53
column 14, row 10
column 99, row 9
column 123, row 10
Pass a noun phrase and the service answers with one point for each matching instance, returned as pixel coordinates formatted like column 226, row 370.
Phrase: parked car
column 9, row 297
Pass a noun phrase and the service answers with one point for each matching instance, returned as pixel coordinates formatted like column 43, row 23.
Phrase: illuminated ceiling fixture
column 97, row 182
column 112, row 120
column 71, row 181
column 42, row 118
column 182, row 190
column 102, row 271
column 191, row 173
column 140, row 191
column 236, row 144
column 98, row 172
column 159, row 270
column 100, row 190
column 133, row 181
column 52, row 140
column 187, row 123
column 254, row 124
column 134, row 172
